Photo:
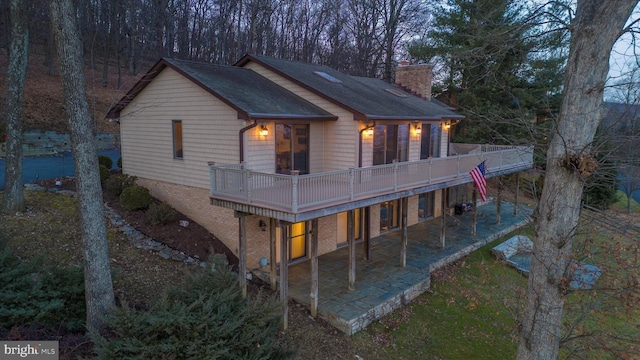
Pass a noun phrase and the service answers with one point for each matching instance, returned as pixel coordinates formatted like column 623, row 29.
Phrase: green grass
column 472, row 309
column 469, row 312
column 621, row 204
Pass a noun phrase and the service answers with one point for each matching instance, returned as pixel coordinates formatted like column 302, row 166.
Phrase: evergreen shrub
column 206, row 318
column 104, row 174
column 135, row 197
column 106, row 161
column 31, row 293
column 116, row 183
column 119, row 163
column 161, row 213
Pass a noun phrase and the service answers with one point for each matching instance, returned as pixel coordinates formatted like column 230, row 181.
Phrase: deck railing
column 295, row 193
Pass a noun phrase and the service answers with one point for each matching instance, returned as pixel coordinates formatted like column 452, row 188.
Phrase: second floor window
column 430, row 140
column 390, row 142
column 292, row 148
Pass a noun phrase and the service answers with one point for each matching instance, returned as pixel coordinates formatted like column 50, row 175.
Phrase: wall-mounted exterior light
column 417, row 128
column 263, row 130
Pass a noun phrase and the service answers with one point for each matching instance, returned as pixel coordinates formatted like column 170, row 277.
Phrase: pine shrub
column 31, row 293
column 116, row 183
column 135, row 197
column 105, row 161
column 161, row 213
column 119, row 163
column 206, row 318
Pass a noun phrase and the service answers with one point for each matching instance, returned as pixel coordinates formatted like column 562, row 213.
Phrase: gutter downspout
column 360, row 142
column 241, row 136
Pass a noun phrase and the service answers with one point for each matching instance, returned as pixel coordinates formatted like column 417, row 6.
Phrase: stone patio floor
column 382, row 285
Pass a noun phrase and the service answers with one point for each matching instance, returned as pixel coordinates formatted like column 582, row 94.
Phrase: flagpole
column 474, row 217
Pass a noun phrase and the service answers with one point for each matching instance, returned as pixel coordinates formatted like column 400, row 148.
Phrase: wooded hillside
column 44, row 103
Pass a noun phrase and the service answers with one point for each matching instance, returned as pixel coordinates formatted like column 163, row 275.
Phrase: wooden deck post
column 314, row 268
column 498, row 202
column 474, row 217
column 284, row 273
column 352, row 250
column 515, row 203
column 273, row 257
column 444, row 215
column 242, row 258
column 404, row 203
column 366, row 232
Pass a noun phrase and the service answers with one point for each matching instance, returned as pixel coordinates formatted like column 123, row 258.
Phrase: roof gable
column 366, row 98
column 250, row 94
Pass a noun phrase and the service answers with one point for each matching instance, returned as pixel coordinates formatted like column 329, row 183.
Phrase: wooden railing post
column 395, row 174
column 249, row 184
column 212, row 177
column 352, row 177
column 295, row 174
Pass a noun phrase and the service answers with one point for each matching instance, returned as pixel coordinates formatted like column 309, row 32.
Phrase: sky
column 624, row 57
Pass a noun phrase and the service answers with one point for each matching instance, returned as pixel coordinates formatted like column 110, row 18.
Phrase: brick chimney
column 415, row 78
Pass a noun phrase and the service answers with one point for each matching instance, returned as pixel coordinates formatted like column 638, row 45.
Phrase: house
column 285, row 161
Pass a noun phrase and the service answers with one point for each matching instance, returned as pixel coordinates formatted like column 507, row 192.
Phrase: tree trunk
column 97, row 275
column 13, row 199
column 570, row 158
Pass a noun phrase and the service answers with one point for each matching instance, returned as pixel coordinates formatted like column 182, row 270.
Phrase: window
column 389, row 215
column 298, row 245
column 328, row 77
column 425, row 205
column 177, row 139
column 292, row 148
column 390, row 142
column 430, row 140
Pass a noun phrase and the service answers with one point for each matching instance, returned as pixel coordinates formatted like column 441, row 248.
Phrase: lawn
column 472, row 308
column 621, row 204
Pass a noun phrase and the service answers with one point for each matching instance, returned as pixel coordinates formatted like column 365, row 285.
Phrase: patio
column 382, row 285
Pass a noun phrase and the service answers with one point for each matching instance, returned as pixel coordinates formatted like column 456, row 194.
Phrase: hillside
column 44, row 102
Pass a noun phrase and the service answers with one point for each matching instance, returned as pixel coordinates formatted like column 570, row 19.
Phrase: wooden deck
column 244, row 190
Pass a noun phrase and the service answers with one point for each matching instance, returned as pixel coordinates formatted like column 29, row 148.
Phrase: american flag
column 477, row 174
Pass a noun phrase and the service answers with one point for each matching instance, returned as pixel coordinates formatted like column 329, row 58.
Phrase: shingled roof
column 366, row 98
column 250, row 94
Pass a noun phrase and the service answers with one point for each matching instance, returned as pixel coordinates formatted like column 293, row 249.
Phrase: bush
column 135, row 198
column 31, row 293
column 206, row 318
column 161, row 213
column 106, row 161
column 104, row 174
column 116, row 183
column 119, row 163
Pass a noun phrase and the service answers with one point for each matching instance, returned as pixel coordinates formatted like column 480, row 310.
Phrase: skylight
column 327, row 77
column 397, row 92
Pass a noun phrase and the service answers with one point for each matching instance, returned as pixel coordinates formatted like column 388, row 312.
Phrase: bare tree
column 594, row 29
column 13, row 199
column 98, row 285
